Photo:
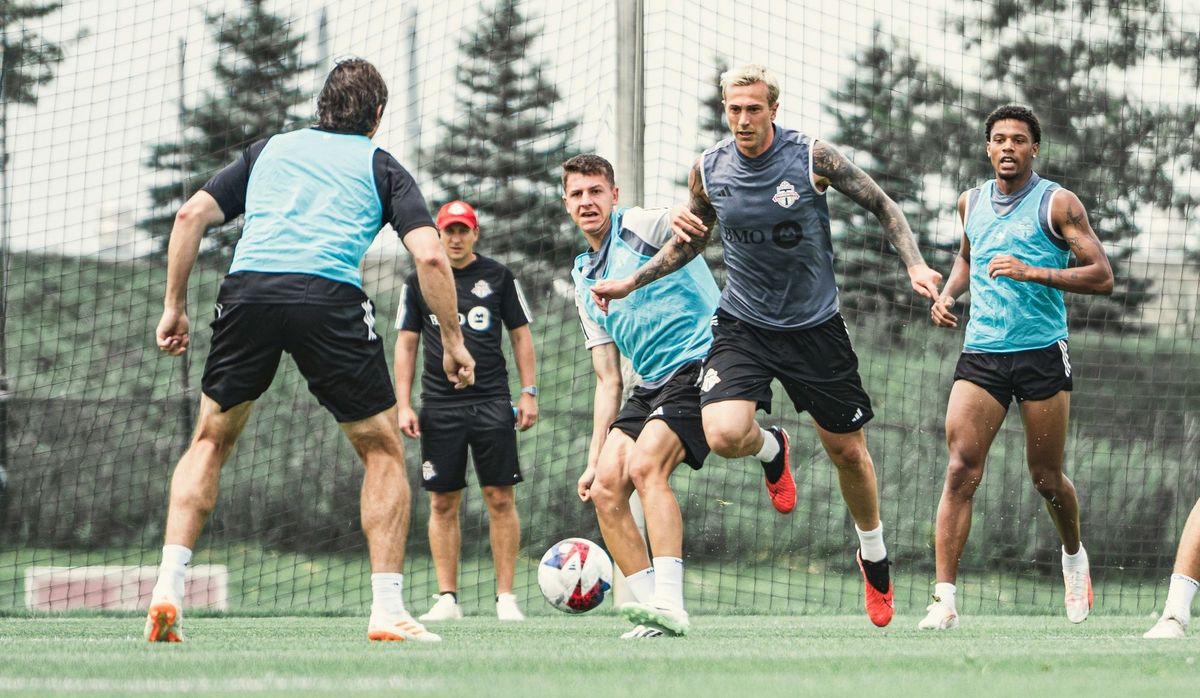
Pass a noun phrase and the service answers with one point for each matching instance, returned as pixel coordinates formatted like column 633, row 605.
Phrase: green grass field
column 549, row 656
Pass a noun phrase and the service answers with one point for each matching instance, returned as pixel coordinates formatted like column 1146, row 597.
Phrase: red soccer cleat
column 783, row 490
column 880, row 605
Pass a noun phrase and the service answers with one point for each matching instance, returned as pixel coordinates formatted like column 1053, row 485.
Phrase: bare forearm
column 437, row 285
column 1092, row 279
column 406, row 369
column 526, row 357
column 181, row 257
column 604, row 411
column 895, row 227
column 960, row 278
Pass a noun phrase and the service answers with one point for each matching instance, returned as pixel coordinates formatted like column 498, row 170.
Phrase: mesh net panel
column 94, row 417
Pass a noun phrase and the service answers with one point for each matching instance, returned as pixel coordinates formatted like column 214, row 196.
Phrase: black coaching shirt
column 488, row 295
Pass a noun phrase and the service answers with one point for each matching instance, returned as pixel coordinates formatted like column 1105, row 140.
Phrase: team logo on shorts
column 785, row 194
column 427, row 471
column 481, row 289
column 710, row 380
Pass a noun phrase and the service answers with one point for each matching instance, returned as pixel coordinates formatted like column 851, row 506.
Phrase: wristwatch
column 530, row 390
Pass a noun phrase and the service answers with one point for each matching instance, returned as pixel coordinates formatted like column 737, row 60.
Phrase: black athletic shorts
column 335, row 347
column 676, row 402
column 488, row 428
column 817, row 367
column 1035, row 374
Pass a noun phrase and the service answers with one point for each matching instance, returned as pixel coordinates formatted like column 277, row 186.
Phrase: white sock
column 1179, row 597
column 641, row 585
column 1074, row 562
column 870, row 543
column 668, row 582
column 770, row 447
column 387, row 593
column 944, row 591
column 172, row 571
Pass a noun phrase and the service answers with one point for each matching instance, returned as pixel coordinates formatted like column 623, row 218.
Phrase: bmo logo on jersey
column 786, row 234
column 478, row 318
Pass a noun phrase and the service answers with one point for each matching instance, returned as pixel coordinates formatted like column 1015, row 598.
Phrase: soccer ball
column 575, row 574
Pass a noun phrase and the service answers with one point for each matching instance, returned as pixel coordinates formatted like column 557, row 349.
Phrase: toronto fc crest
column 785, row 194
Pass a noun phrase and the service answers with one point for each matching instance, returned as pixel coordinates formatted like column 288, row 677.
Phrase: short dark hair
column 353, row 93
column 588, row 164
column 1018, row 112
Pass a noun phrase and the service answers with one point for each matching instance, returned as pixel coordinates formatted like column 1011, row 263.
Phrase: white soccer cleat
column 1078, row 596
column 673, row 620
column 396, row 628
column 940, row 617
column 1168, row 628
column 164, row 621
column 506, row 608
column 445, row 608
column 644, row 632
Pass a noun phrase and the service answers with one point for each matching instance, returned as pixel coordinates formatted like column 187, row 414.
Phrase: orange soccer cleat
column 783, row 490
column 164, row 622
column 881, row 605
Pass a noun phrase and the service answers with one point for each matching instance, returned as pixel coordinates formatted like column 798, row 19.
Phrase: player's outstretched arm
column 197, row 215
column 832, row 169
column 690, row 222
column 606, row 360
column 406, row 368
column 960, row 275
column 437, row 286
column 1091, row 275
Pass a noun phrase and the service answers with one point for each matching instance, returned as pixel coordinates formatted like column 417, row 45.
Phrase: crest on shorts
column 427, row 471
column 785, row 194
column 710, row 380
column 481, row 289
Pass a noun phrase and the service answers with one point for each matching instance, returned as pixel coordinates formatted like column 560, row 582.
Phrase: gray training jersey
column 775, row 229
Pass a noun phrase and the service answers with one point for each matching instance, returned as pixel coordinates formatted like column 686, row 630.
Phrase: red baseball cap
column 456, row 212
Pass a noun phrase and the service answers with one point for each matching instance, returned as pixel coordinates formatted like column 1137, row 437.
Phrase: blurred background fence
column 113, row 113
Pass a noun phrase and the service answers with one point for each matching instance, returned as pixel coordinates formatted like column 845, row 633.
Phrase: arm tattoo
column 847, row 178
column 1074, row 219
column 671, row 257
column 674, row 254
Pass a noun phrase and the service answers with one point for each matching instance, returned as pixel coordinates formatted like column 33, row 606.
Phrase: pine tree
column 881, row 116
column 1070, row 62
column 503, row 150
column 713, row 127
column 259, row 68
column 1117, row 152
column 27, row 61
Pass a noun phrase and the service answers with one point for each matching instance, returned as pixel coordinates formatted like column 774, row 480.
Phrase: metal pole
column 4, row 273
column 630, row 166
column 631, row 106
column 185, row 414
column 412, row 120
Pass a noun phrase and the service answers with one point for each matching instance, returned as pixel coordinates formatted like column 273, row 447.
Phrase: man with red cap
column 481, row 417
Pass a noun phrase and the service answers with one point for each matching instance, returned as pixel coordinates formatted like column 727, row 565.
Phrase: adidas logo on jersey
column 721, row 193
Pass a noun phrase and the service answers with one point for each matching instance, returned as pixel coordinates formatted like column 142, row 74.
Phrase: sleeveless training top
column 775, row 231
column 312, row 206
column 1009, row 315
column 661, row 326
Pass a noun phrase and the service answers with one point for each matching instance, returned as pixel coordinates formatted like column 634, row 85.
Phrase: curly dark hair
column 1018, row 112
column 353, row 93
column 588, row 164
